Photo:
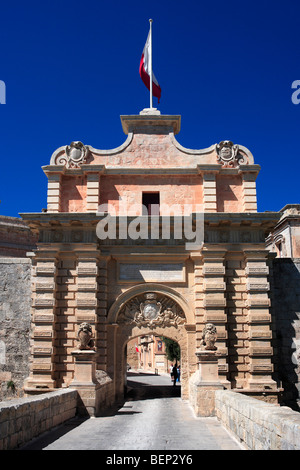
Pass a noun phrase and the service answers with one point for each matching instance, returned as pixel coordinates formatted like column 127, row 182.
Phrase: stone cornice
column 103, row 170
column 241, row 218
column 222, row 231
column 60, row 219
column 214, row 219
column 218, row 169
column 84, row 169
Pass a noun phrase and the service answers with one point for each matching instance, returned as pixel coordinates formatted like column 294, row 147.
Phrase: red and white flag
column 136, row 348
column 145, row 69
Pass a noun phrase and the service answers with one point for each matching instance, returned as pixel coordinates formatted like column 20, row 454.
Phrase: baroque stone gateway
column 212, row 295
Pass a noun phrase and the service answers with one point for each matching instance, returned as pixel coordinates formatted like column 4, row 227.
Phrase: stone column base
column 85, row 382
column 204, row 383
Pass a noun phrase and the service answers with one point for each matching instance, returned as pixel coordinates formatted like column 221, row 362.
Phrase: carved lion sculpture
column 209, row 337
column 84, row 336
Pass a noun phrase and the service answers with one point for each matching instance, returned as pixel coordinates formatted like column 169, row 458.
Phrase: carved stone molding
column 78, row 236
column 234, row 236
column 151, row 310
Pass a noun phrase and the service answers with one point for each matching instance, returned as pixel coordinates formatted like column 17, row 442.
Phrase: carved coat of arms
column 150, row 308
column 150, row 312
column 75, row 155
column 228, row 153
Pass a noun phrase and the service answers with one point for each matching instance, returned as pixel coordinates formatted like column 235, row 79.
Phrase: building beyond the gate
column 200, row 258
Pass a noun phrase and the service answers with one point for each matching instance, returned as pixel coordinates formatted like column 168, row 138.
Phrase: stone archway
column 148, row 309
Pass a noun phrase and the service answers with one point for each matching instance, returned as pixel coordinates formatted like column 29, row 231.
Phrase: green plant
column 172, row 349
column 11, row 385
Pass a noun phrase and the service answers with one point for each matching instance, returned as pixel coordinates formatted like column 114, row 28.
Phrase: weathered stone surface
column 23, row 419
column 286, row 314
column 258, row 425
column 15, row 301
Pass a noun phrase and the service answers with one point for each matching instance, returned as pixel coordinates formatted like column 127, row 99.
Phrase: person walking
column 178, row 374
column 174, row 374
column 171, row 372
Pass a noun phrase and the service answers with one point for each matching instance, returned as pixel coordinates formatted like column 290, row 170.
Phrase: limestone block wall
column 175, row 191
column 23, row 419
column 15, row 300
column 258, row 425
column 285, row 284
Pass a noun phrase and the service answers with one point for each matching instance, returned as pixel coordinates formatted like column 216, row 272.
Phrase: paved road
column 153, row 417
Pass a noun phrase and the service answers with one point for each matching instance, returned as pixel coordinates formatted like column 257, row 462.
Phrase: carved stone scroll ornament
column 84, row 336
column 209, row 337
column 228, row 153
column 74, row 156
column 150, row 312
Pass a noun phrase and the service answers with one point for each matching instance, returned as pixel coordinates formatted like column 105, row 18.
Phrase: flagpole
column 151, row 101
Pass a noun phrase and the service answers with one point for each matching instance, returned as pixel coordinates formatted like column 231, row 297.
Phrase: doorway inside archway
column 151, row 362
column 142, row 313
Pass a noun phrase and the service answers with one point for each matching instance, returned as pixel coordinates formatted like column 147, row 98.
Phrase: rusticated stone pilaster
column 42, row 373
column 214, row 303
column 199, row 296
column 91, row 300
column 65, row 317
column 92, row 192
column 209, row 192
column 53, row 195
column 102, row 313
column 259, row 320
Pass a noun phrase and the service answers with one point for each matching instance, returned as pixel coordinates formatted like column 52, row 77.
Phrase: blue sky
column 71, row 70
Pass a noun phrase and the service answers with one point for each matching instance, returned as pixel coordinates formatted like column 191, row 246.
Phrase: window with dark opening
column 150, row 203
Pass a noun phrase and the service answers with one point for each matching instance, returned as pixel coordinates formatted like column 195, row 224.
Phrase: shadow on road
column 47, row 438
column 139, row 390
